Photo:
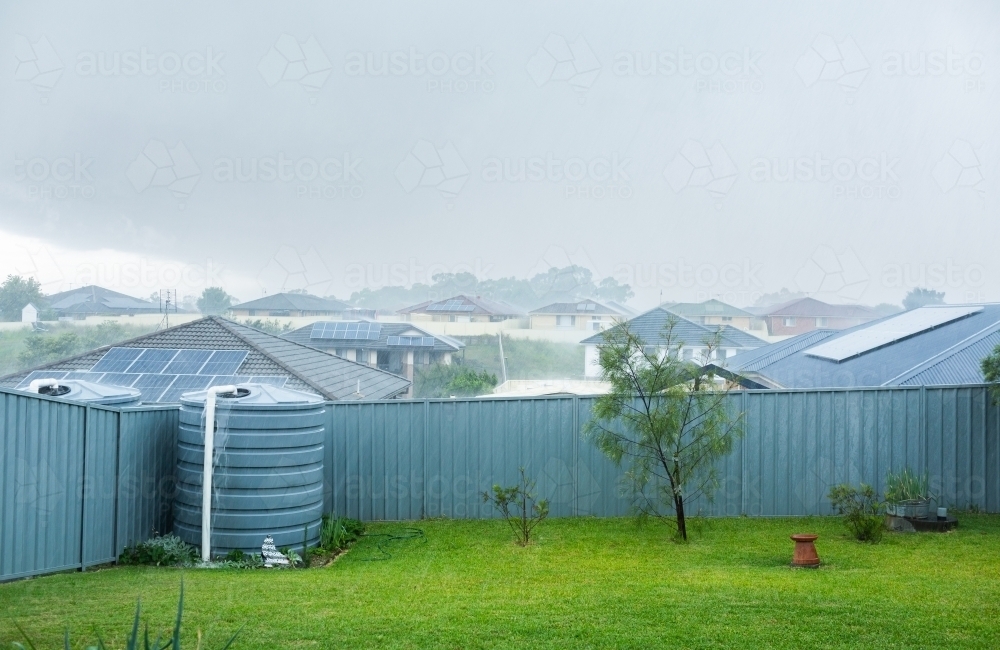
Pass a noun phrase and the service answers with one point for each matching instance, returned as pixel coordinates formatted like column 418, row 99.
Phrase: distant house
column 585, row 315
column 651, row 327
column 715, row 312
column 806, row 314
column 98, row 301
column 394, row 347
column 928, row 346
column 215, row 351
column 461, row 309
column 29, row 314
column 290, row 304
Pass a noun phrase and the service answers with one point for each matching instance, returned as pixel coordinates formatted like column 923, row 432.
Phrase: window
column 251, row 312
column 565, row 321
column 790, row 321
column 727, row 319
column 821, row 322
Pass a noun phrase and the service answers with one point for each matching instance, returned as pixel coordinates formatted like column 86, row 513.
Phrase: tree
column 214, row 301
column 918, row 297
column 15, row 293
column 519, row 507
column 666, row 418
column 990, row 366
column 611, row 290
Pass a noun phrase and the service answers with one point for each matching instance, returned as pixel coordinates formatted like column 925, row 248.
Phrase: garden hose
column 384, row 539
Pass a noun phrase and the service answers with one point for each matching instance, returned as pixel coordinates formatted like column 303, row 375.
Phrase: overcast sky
column 847, row 150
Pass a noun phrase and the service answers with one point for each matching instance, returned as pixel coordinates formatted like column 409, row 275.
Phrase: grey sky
column 674, row 175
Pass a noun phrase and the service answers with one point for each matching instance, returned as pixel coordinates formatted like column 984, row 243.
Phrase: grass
column 526, row 358
column 584, row 583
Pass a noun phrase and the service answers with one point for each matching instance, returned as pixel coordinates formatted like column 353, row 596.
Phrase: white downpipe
column 206, row 481
column 38, row 383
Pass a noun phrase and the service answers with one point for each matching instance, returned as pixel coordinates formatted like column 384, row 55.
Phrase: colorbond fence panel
column 405, row 460
column 63, row 501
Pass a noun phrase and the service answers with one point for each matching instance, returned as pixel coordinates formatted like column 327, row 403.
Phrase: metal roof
column 307, row 368
column 93, row 299
column 441, row 343
column 948, row 354
column 294, row 302
column 650, row 327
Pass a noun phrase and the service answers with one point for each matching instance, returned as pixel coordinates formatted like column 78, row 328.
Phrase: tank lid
column 86, row 391
column 255, row 396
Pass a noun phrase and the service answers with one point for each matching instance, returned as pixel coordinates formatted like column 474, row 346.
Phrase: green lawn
column 585, row 583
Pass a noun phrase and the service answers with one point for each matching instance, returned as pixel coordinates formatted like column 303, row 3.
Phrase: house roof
column 650, row 326
column 579, row 308
column 307, row 368
column 947, row 354
column 810, row 307
column 463, row 305
column 442, row 343
column 294, row 302
column 710, row 307
column 93, row 299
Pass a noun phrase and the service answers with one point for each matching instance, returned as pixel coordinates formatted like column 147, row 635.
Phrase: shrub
column 863, row 513
column 337, row 533
column 512, row 502
column 165, row 550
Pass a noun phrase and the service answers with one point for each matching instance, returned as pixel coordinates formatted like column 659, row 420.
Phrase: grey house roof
column 710, row 307
column 307, row 368
column 810, row 307
column 574, row 309
column 946, row 354
column 294, row 302
column 650, row 325
column 93, row 299
column 442, row 343
column 474, row 305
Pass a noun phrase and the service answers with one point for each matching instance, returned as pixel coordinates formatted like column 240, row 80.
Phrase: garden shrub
column 863, row 512
column 164, row 550
column 337, row 533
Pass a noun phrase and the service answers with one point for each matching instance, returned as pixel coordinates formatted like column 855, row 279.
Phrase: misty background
column 846, row 151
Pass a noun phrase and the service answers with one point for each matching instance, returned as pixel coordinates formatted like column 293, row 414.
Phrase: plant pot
column 911, row 508
column 805, row 551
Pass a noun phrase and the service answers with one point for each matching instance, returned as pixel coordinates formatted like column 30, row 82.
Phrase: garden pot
column 805, row 551
column 911, row 508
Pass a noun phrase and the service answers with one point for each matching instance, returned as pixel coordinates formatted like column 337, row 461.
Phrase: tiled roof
column 441, row 343
column 480, row 306
column 572, row 308
column 810, row 307
column 711, row 307
column 650, row 327
column 294, row 302
column 306, row 368
column 93, row 299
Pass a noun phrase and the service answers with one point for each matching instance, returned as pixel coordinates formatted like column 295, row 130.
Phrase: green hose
column 384, row 539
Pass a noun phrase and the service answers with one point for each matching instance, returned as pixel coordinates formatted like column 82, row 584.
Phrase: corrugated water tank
column 267, row 470
column 85, row 391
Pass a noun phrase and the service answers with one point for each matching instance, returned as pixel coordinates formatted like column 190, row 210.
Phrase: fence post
column 743, row 454
column 576, row 455
column 83, row 492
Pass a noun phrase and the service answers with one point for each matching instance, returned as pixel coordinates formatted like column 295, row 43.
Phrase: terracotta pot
column 805, row 551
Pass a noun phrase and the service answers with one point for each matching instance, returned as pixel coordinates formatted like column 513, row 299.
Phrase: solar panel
column 223, row 362
column 888, row 331
column 153, row 360
column 117, row 359
column 362, row 330
column 222, row 380
column 191, row 382
column 411, row 341
column 80, row 374
column 153, row 386
column 188, row 362
column 118, row 378
column 451, row 305
column 40, row 374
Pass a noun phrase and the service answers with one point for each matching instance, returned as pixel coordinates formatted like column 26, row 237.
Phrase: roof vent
column 53, row 391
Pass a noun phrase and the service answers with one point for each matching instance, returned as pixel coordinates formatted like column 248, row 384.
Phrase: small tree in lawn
column 518, row 507
column 666, row 419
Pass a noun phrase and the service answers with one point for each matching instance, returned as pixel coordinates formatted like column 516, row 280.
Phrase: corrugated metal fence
column 406, row 460
column 77, row 482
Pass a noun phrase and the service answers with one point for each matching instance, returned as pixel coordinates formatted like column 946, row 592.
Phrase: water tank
column 267, row 471
column 85, row 391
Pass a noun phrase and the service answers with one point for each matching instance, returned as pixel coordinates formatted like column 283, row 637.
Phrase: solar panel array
column 161, row 374
column 451, row 305
column 888, row 331
column 585, row 306
column 411, row 341
column 347, row 330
